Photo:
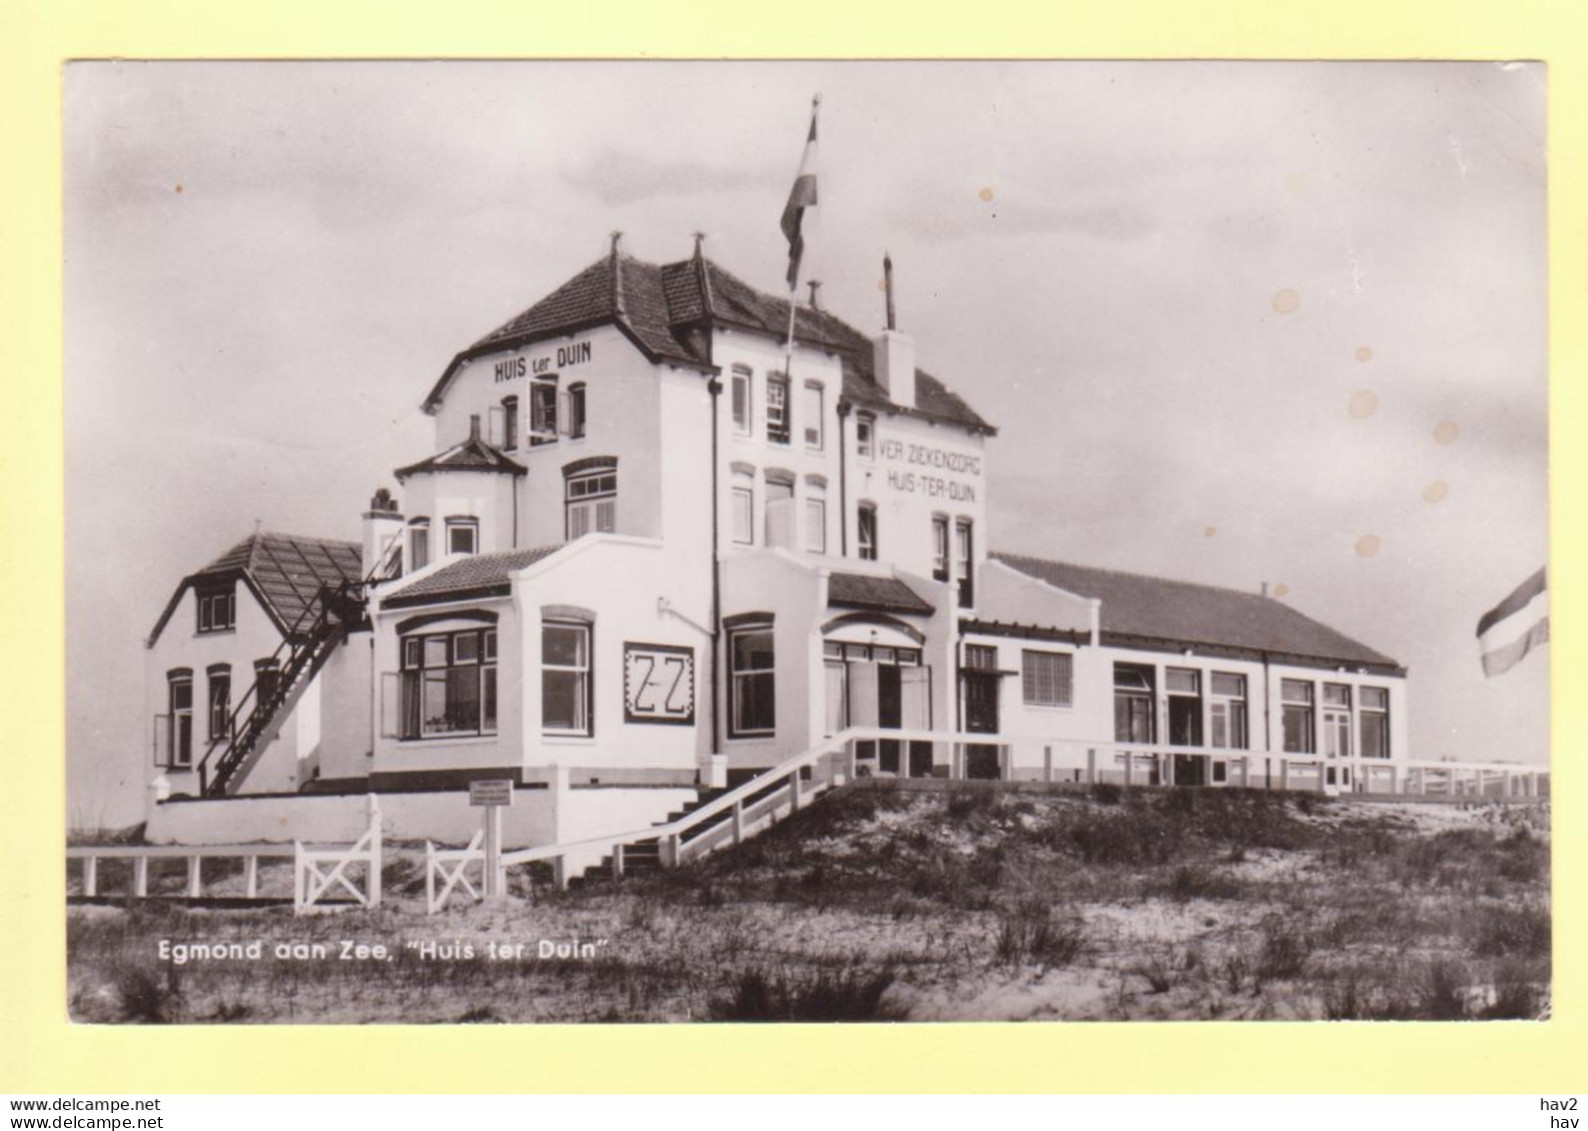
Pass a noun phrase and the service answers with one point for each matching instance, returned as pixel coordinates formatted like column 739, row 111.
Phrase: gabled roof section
column 474, row 454
column 1154, row 610
column 662, row 309
column 284, row 571
column 875, row 594
column 477, row 575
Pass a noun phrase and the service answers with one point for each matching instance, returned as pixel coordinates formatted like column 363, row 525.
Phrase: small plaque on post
column 491, row 793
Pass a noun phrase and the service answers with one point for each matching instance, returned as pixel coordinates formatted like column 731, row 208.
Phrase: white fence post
column 1091, row 765
column 90, row 875
column 251, row 877
column 1047, row 763
column 140, row 876
column 372, row 808
column 195, row 877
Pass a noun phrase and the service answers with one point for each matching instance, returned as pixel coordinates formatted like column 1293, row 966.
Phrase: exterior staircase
column 256, row 720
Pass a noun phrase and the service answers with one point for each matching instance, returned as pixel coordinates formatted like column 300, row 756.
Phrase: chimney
column 383, row 524
column 894, row 353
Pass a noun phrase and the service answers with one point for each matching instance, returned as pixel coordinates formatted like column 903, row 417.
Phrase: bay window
column 448, row 684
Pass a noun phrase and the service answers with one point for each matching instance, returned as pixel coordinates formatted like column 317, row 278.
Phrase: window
column 981, row 657
column 741, row 400
column 815, row 518
column 777, row 423
column 217, row 609
column 743, row 508
column 179, row 697
column 1337, row 720
column 1295, row 697
column 1185, row 706
column 543, row 411
column 1133, row 703
column 220, row 701
column 267, row 681
column 779, row 511
column 866, row 531
column 865, row 436
column 812, row 411
column 1047, row 678
column 753, row 710
column 448, row 683
column 463, row 536
column 1373, row 720
column 1227, row 711
column 509, row 423
column 419, row 543
column 939, row 547
column 962, row 563
column 565, row 678
column 592, row 504
column 576, row 411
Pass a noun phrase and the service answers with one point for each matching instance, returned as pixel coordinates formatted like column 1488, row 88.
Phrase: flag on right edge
column 1515, row 626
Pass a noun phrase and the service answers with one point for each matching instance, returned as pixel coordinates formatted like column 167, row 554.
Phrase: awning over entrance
column 874, row 594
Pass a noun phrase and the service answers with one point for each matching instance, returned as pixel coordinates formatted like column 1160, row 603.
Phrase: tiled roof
column 1141, row 608
column 476, row 575
column 663, row 308
column 882, row 594
column 285, row 570
column 474, row 454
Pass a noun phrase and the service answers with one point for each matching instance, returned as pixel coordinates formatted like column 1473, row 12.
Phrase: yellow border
column 45, row 1054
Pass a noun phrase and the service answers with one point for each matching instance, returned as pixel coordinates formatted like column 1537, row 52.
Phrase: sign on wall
column 937, row 473
column 658, row 684
column 491, row 792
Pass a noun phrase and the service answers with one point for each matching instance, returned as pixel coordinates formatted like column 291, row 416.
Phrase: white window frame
column 180, row 755
column 543, row 410
column 736, row 677
column 866, row 446
column 741, row 510
column 779, row 412
column 584, row 671
column 815, row 520
column 815, row 413
column 217, row 609
column 458, row 526
column 864, row 547
column 590, row 503
column 1061, row 694
column 741, row 390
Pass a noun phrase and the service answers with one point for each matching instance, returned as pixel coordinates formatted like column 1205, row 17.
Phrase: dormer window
column 777, row 422
column 217, row 608
column 543, row 411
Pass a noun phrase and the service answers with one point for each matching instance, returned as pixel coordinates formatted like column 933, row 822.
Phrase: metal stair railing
column 335, row 609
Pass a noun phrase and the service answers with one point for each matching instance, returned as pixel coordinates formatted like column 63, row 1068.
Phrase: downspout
column 843, row 482
column 1268, row 730
column 714, row 387
column 515, row 512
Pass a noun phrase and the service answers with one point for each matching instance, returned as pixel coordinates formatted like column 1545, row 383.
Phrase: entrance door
column 981, row 717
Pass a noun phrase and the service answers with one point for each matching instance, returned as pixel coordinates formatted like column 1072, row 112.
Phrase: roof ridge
column 1004, row 555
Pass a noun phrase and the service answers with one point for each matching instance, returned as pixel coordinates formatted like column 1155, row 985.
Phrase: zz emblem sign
column 658, row 684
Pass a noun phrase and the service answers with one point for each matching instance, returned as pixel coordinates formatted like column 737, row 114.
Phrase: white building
column 651, row 557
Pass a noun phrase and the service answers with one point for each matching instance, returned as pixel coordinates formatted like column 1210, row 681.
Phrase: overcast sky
column 1236, row 322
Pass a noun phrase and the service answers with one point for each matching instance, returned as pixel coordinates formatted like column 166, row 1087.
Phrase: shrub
column 1442, row 992
column 1106, row 793
column 850, row 993
column 1284, row 951
column 1504, row 932
column 1191, row 881
column 1032, row 932
column 144, row 999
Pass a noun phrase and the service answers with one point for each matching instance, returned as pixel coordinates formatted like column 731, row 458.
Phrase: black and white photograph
column 814, row 541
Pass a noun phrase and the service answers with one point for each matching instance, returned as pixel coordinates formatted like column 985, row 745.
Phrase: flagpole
column 793, row 283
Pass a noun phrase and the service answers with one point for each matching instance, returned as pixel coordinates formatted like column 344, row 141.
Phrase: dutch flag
column 1515, row 626
column 801, row 197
